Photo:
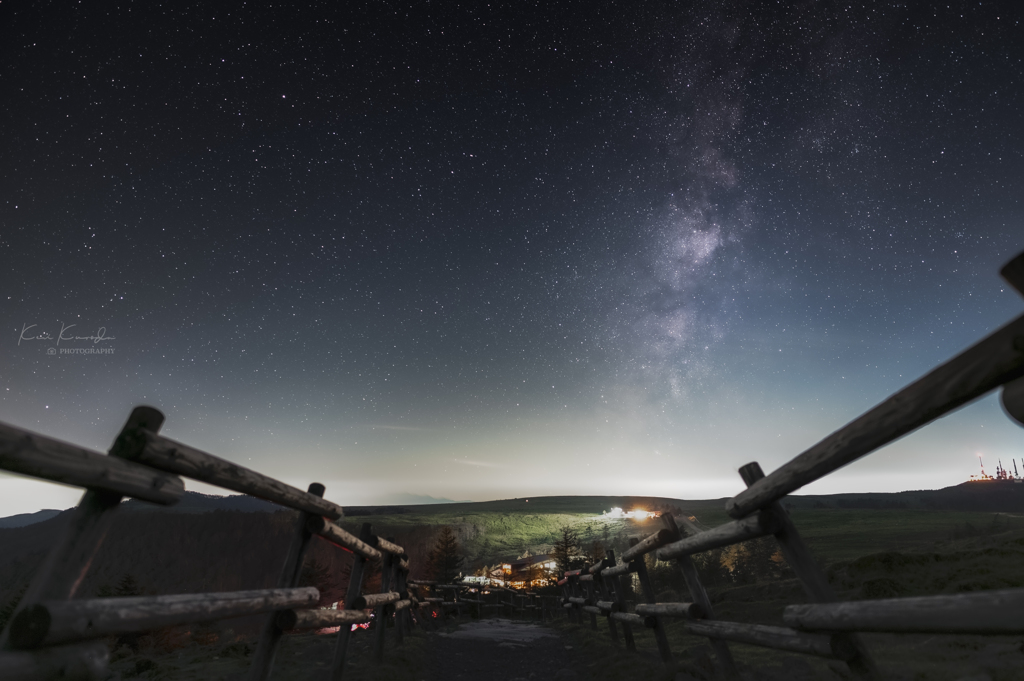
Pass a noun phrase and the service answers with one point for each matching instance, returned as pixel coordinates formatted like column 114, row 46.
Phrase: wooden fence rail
column 823, row 627
column 52, row 633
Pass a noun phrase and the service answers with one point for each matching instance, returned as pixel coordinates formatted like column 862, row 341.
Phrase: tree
column 566, row 549
column 318, row 574
column 444, row 558
column 127, row 585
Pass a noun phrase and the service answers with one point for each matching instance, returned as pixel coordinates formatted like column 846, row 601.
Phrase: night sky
column 486, row 251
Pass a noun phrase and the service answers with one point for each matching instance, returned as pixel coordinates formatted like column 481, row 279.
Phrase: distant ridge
column 195, row 502
column 986, row 496
column 994, row 496
column 406, row 499
column 23, row 519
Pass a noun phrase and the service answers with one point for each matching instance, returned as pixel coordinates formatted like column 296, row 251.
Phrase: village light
column 637, row 514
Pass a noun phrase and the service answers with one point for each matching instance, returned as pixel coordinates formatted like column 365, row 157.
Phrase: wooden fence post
column 618, row 594
column 396, row 575
column 354, row 591
column 798, row 557
column 291, row 572
column 62, row 572
column 386, row 573
column 604, row 587
column 588, row 593
column 700, row 597
column 648, row 590
column 404, row 616
column 565, row 600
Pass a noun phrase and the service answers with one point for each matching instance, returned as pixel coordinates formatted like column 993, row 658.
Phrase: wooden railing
column 53, row 634
column 823, row 627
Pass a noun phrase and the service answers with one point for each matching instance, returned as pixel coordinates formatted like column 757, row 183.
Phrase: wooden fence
column 55, row 635
column 822, row 627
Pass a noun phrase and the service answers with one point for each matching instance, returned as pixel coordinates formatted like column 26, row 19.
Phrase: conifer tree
column 444, row 559
column 566, row 549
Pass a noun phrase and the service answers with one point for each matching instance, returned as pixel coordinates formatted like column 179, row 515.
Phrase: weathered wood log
column 340, row 537
column 403, row 616
column 758, row 525
column 262, row 660
column 580, row 600
column 563, row 581
column 598, row 566
column 607, row 606
column 573, row 573
column 53, row 622
column 78, row 662
column 421, row 582
column 1013, row 273
column 352, row 592
column 375, row 600
column 586, row 578
column 646, row 545
column 653, row 621
column 592, row 609
column 813, row 579
column 982, row 612
column 74, row 547
column 37, row 456
column 472, row 600
column 765, row 636
column 619, row 569
column 779, row 638
column 688, row 610
column 1012, row 399
column 723, row 656
column 381, row 613
column 634, row 619
column 404, row 604
column 168, row 455
column 382, row 544
column 995, row 360
column 433, row 600
column 319, row 618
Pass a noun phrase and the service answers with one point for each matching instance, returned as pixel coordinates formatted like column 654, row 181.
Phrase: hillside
column 211, row 543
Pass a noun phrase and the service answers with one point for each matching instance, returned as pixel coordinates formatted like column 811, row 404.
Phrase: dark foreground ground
column 506, row 650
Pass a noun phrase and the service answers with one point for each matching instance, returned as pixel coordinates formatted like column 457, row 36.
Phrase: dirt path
column 498, row 650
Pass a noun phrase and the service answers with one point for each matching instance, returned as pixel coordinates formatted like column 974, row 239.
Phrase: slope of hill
column 225, row 543
column 23, row 519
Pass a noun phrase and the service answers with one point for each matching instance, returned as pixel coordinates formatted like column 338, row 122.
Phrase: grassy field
column 492, row 531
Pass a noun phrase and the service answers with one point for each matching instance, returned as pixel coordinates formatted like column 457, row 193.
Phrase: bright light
column 636, row 514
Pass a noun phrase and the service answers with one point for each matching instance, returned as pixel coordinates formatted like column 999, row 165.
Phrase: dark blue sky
column 480, row 252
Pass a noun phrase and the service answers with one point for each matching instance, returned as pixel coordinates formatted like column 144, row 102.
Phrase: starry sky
column 478, row 251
